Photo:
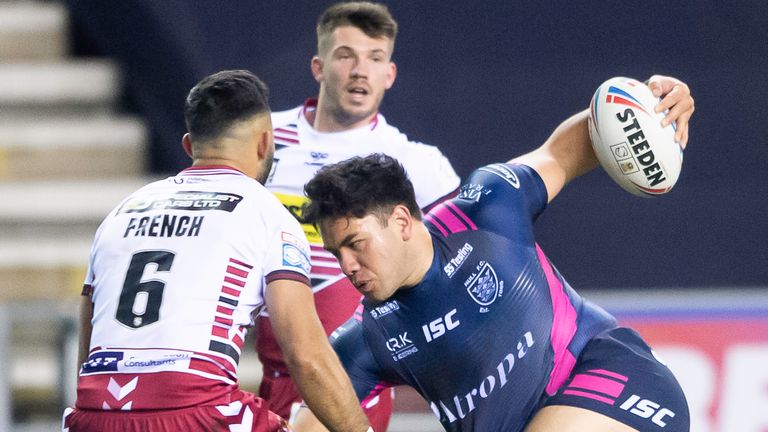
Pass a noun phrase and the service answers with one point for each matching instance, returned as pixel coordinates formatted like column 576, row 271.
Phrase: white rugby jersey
column 301, row 151
column 177, row 271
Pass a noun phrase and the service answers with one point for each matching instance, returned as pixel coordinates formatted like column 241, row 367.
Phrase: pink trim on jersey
column 436, row 224
column 597, row 384
column 563, row 326
column 448, row 217
column 380, row 387
column 590, row 396
column 610, row 374
column 461, row 215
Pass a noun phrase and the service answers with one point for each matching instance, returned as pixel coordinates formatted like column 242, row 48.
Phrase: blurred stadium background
column 91, row 94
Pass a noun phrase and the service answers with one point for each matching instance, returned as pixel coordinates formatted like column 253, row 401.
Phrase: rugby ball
column 629, row 140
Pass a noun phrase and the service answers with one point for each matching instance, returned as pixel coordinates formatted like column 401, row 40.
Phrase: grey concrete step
column 74, row 147
column 63, row 203
column 42, row 88
column 33, row 30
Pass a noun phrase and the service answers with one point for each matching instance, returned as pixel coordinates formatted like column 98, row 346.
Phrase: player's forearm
column 565, row 155
column 571, row 146
column 86, row 314
column 327, row 390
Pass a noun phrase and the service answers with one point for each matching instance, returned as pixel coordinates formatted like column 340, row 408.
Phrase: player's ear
column 263, row 143
column 391, row 75
column 317, row 68
column 186, row 143
column 402, row 220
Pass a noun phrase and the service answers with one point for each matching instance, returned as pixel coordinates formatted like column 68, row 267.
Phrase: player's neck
column 423, row 253
column 326, row 120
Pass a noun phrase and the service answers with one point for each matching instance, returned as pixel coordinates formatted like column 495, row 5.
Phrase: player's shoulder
column 516, row 185
column 514, row 175
column 286, row 118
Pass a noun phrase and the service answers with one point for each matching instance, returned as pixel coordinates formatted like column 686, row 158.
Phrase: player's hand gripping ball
column 633, row 147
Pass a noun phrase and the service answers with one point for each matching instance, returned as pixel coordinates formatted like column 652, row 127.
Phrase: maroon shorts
column 335, row 305
column 247, row 410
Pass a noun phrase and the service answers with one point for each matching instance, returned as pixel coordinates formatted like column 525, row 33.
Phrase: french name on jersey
column 294, row 204
column 164, row 225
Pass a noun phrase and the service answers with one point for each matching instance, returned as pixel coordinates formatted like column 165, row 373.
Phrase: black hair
column 359, row 186
column 222, row 99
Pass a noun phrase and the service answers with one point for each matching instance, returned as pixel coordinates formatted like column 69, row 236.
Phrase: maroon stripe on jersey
column 323, row 258
column 222, row 320
column 234, row 281
column 224, row 310
column 238, row 262
column 327, row 271
column 282, row 130
column 238, row 341
column 237, row 272
column 220, row 332
column 287, row 274
column 230, row 291
column 87, row 290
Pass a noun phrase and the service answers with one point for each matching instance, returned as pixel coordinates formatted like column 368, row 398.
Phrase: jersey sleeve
column 358, row 361
column 501, row 196
column 287, row 256
column 434, row 179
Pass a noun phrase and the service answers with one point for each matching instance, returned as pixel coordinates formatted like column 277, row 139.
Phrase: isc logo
column 647, row 409
column 438, row 327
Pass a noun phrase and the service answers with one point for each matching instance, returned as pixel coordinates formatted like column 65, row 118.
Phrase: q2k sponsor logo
column 484, row 286
column 102, row 361
column 401, row 346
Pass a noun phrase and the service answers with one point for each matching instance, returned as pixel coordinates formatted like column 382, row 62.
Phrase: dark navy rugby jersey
column 492, row 328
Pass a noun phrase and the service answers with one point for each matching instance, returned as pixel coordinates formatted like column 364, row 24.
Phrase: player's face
column 370, row 254
column 353, row 73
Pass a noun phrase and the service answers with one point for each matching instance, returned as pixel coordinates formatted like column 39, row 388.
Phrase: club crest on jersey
column 483, row 285
column 295, row 257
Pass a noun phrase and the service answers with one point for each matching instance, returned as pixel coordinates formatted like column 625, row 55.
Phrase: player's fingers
column 680, row 94
column 681, row 135
column 684, row 139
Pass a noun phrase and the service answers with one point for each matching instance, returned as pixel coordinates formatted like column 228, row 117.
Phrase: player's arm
column 313, row 364
column 568, row 153
column 86, row 315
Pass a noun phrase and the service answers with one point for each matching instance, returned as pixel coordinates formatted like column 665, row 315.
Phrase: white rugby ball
column 629, row 140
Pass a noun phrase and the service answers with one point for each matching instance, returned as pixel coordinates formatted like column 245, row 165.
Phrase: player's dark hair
column 373, row 19
column 357, row 187
column 220, row 100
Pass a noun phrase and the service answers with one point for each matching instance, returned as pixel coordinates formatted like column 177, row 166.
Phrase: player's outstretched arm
column 568, row 153
column 313, row 364
column 86, row 315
